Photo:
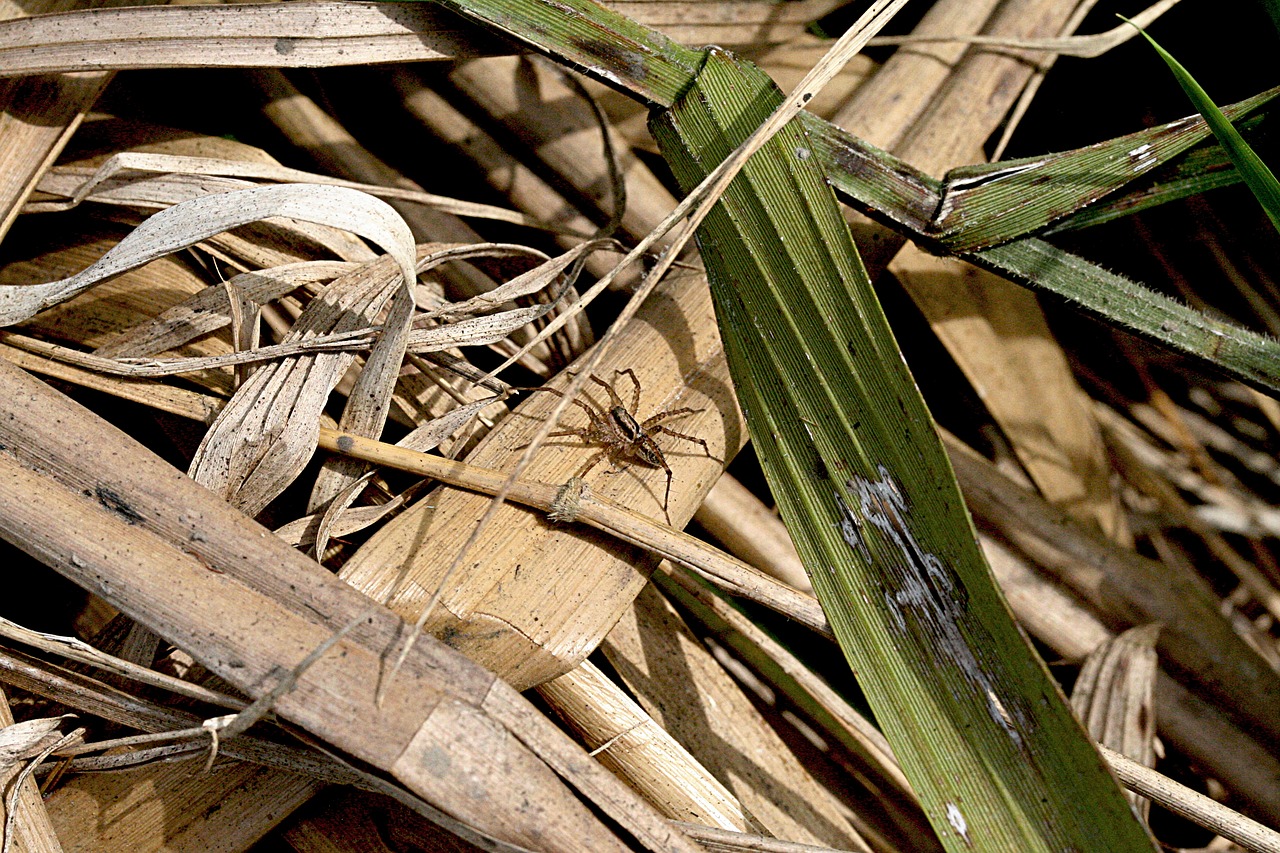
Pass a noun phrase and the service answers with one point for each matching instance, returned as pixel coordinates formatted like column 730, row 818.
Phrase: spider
column 622, row 437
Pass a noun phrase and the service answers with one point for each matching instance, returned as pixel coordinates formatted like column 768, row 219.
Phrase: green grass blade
column 1205, row 167
column 649, row 66
column 1245, row 355
column 598, row 41
column 1255, row 173
column 990, row 203
column 868, row 494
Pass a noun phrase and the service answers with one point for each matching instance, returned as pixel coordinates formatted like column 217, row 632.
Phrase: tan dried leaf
column 183, row 225
column 28, row 739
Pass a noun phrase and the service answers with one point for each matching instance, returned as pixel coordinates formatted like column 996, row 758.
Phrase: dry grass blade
column 209, row 309
column 39, row 115
column 727, row 572
column 1207, row 812
column 307, row 34
column 77, row 650
column 252, row 452
column 1086, row 47
column 318, row 33
column 31, row 827
column 636, row 747
column 111, row 182
column 17, row 788
column 749, row 530
column 370, row 397
column 264, row 436
column 188, row 223
column 678, row 681
column 265, row 607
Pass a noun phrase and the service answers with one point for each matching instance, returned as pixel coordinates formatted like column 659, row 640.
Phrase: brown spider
column 622, row 437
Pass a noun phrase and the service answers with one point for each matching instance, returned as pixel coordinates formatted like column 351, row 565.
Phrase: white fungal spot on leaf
column 957, row 821
column 924, row 597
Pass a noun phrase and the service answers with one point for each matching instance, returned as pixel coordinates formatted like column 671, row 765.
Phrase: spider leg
column 666, row 416
column 690, row 438
column 635, row 394
column 583, row 434
column 580, row 433
column 666, row 500
column 591, row 463
column 592, row 413
column 614, row 399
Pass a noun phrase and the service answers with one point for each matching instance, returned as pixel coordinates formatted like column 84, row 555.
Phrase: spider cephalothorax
column 621, row 436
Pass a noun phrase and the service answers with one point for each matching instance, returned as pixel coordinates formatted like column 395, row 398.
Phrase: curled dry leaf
column 27, row 739
column 264, row 436
column 114, row 180
column 209, row 309
column 476, row 331
column 186, row 224
column 370, row 399
column 525, row 284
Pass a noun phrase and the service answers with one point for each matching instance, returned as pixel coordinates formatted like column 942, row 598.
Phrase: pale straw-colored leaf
column 21, row 741
column 346, row 341
column 429, row 435
column 190, row 222
column 1085, row 47
column 370, row 397
column 283, row 241
column 73, row 184
column 264, row 436
column 476, row 331
column 208, row 310
column 325, row 33
column 525, row 284
column 297, row 35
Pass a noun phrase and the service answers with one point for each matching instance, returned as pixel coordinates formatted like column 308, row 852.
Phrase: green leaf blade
column 851, row 453
column 1257, row 176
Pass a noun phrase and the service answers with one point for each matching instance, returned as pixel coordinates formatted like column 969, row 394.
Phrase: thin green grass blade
column 991, row 203
column 1255, row 173
column 868, row 494
column 1203, row 168
column 1245, row 355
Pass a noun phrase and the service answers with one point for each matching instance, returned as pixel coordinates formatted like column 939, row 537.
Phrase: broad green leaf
column 1255, row 173
column 868, row 494
column 597, row 41
column 651, row 67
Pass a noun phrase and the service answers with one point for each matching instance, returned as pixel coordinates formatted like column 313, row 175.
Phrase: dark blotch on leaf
column 111, row 499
